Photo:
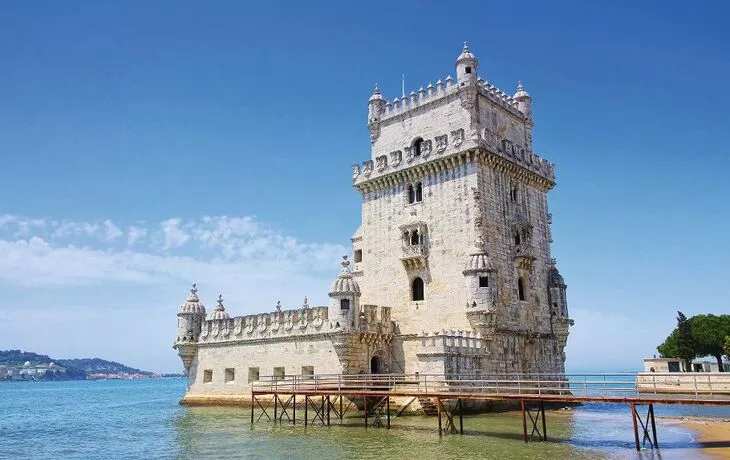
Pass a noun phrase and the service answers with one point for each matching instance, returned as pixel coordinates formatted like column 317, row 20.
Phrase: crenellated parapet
column 285, row 323
column 451, row 342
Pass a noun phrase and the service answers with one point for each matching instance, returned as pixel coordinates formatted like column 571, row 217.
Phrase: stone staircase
column 428, row 406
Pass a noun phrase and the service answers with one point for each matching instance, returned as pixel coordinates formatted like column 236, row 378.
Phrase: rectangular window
column 483, row 281
column 253, row 374
column 344, row 304
column 307, row 372
column 279, row 373
column 230, row 375
column 208, row 376
column 358, row 255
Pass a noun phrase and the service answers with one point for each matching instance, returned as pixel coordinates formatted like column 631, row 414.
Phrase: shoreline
column 713, row 433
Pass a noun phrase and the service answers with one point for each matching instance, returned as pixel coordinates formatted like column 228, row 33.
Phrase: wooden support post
column 342, row 416
column 306, row 410
column 365, row 400
column 653, row 425
column 276, row 399
column 544, row 425
column 294, row 410
column 524, row 420
column 387, row 410
column 438, row 407
column 253, row 401
column 636, row 428
column 461, row 417
column 329, row 406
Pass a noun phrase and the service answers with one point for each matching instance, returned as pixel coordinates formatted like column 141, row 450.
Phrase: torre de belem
column 451, row 271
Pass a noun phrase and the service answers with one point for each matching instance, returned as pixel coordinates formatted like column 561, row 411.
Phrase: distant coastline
column 17, row 365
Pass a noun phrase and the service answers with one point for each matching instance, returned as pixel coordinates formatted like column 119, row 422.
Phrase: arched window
column 406, row 238
column 417, row 289
column 513, row 194
column 411, row 194
column 415, row 240
column 419, row 192
column 520, row 289
column 417, row 147
column 518, row 239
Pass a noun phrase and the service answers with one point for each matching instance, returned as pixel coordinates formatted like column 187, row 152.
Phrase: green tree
column 680, row 343
column 727, row 346
column 708, row 333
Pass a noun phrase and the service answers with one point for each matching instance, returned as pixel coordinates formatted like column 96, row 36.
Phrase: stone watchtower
column 455, row 233
column 190, row 319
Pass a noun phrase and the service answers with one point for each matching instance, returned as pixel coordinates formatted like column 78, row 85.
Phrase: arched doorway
column 376, row 365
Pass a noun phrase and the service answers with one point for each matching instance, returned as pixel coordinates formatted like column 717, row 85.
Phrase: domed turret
column 220, row 311
column 376, row 109
column 344, row 284
column 524, row 101
column 479, row 277
column 557, row 291
column 192, row 304
column 190, row 319
column 344, row 295
column 466, row 66
column 555, row 278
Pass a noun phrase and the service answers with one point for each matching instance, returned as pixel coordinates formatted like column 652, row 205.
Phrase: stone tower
column 455, row 224
column 190, row 319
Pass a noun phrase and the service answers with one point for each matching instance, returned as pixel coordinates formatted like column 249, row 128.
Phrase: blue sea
column 141, row 419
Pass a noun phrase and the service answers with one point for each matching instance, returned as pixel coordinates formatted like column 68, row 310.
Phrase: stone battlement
column 443, row 342
column 288, row 323
column 432, row 93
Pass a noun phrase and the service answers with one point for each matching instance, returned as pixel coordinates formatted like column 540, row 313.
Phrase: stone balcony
column 414, row 256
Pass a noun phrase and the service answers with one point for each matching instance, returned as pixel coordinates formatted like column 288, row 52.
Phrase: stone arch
column 417, row 289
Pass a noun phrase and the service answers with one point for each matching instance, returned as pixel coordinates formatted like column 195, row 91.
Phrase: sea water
column 141, row 419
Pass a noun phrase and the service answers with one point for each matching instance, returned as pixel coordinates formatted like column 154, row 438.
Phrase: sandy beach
column 712, row 434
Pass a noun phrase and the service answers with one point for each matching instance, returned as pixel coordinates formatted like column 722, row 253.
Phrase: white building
column 452, row 270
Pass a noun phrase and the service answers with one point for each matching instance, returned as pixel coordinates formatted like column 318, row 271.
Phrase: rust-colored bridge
column 333, row 395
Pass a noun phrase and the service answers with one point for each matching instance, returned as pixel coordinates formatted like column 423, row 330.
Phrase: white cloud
column 112, row 231
column 174, row 236
column 134, row 234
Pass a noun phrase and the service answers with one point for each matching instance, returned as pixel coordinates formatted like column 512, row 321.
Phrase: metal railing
column 597, row 386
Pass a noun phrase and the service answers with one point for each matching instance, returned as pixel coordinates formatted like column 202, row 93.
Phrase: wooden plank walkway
column 325, row 395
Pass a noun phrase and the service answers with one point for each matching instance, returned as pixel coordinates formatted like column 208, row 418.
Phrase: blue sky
column 144, row 146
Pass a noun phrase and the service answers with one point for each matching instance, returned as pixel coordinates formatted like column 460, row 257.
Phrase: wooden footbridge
column 325, row 397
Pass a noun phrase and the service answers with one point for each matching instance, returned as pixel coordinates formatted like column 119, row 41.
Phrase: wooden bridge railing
column 585, row 385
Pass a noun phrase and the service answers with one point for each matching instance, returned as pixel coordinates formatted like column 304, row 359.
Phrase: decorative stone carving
column 367, row 168
column 396, row 157
column 458, row 137
column 441, row 143
column 409, row 154
column 426, row 148
column 381, row 163
column 355, row 171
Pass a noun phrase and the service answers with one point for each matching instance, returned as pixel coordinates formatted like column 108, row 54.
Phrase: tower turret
column 524, row 101
column 481, row 289
column 466, row 67
column 344, row 308
column 190, row 319
column 376, row 109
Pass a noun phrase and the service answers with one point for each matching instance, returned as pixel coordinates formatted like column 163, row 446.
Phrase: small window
column 518, row 239
column 279, row 373
column 307, row 372
column 411, row 194
column 417, row 289
column 468, row 70
column 253, row 374
column 415, row 240
column 230, row 375
column 520, row 289
column 417, row 147
column 513, row 194
column 208, row 376
column 345, row 304
column 419, row 192
column 483, row 281
column 358, row 255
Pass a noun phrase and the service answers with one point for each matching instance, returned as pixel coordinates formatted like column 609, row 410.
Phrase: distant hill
column 25, row 365
column 100, row 366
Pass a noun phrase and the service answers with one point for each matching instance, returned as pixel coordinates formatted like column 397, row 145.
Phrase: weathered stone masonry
column 452, row 268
